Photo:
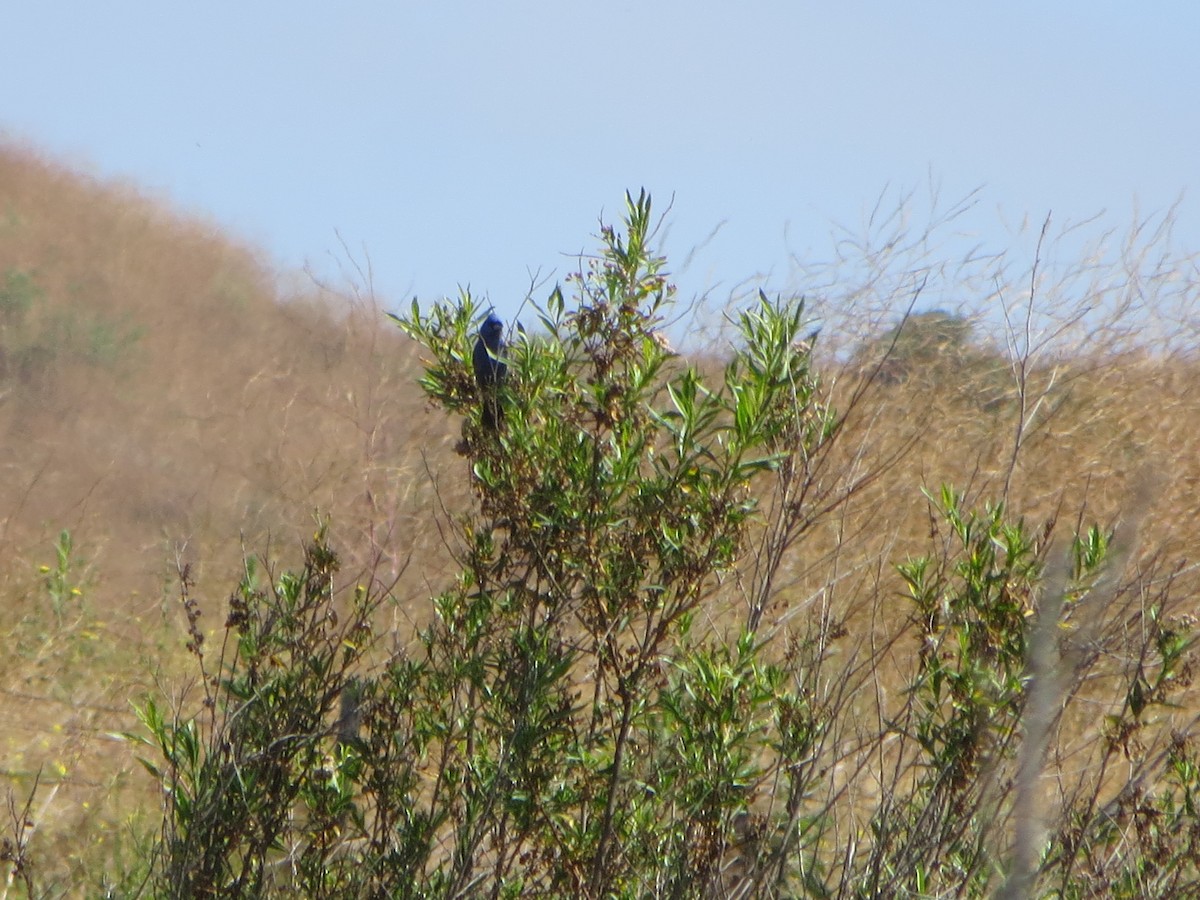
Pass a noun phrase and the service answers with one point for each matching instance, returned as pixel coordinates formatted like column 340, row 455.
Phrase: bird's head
column 491, row 330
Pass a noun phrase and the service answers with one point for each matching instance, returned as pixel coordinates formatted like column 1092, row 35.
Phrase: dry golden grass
column 190, row 410
column 226, row 412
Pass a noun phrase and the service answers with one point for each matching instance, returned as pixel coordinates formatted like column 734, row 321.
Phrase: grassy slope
column 159, row 398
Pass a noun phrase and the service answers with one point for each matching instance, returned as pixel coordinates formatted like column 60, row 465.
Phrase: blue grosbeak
column 490, row 370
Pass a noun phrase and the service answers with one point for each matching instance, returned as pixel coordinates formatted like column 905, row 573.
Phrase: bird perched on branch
column 490, row 369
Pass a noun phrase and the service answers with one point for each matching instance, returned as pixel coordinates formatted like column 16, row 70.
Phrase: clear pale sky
column 472, row 142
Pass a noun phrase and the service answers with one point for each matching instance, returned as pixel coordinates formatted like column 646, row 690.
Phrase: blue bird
column 490, row 370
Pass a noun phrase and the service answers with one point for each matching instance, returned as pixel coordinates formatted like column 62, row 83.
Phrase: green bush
column 35, row 334
column 601, row 705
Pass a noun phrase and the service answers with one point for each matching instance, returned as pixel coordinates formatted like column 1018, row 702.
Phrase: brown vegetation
column 163, row 401
column 166, row 403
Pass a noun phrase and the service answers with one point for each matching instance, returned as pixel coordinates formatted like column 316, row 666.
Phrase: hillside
column 165, row 404
column 159, row 392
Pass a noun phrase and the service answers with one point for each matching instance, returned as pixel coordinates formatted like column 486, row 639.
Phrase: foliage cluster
column 33, row 337
column 579, row 718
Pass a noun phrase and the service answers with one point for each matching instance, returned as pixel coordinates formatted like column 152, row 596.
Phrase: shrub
column 603, row 705
column 33, row 336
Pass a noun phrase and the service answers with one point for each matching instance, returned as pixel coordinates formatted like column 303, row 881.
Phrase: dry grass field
column 163, row 403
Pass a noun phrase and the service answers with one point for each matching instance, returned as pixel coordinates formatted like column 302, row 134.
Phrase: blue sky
column 471, row 143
